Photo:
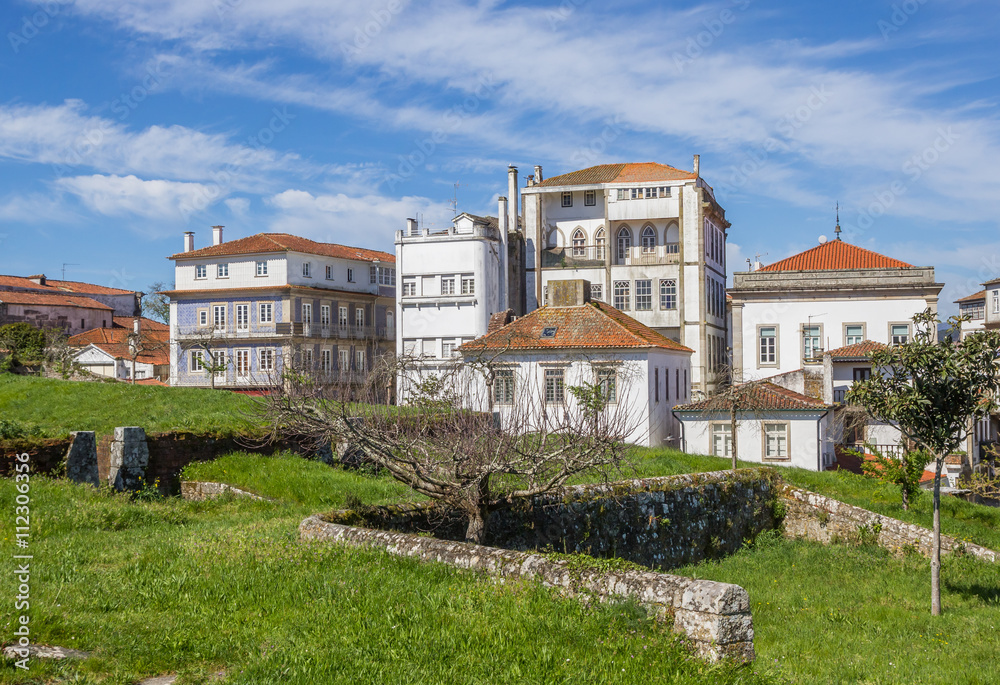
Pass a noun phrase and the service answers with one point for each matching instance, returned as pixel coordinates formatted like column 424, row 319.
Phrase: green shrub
column 23, row 341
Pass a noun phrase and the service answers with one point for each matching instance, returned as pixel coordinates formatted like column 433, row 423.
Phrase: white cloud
column 239, row 206
column 155, row 200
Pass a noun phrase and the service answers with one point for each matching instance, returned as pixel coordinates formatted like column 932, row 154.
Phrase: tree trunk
column 906, row 483
column 133, row 372
column 479, row 512
column 936, row 545
column 733, row 432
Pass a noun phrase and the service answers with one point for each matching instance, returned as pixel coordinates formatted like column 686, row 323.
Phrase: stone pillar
column 81, row 458
column 129, row 458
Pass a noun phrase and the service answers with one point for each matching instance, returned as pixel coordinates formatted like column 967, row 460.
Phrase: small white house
column 109, row 352
column 783, row 428
column 573, row 341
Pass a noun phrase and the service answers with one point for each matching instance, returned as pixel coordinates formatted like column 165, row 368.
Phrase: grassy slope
column 174, row 586
column 56, row 407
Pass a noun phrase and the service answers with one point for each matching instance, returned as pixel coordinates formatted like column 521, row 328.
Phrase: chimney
column 502, row 218
column 502, row 221
column 411, row 227
column 697, row 165
column 538, row 173
column 188, row 241
column 135, row 325
column 37, row 279
column 217, row 235
column 512, row 195
column 530, row 181
column 569, row 293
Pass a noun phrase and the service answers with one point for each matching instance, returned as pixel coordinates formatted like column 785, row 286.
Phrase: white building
column 131, row 343
column 573, row 341
column 453, row 281
column 786, row 314
column 974, row 307
column 785, row 428
column 650, row 238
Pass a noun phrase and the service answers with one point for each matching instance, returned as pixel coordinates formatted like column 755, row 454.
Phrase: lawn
column 53, row 408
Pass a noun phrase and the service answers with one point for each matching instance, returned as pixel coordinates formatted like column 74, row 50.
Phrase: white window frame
column 503, row 386
column 762, row 354
column 265, row 312
column 555, row 385
column 786, row 436
column 200, row 272
column 222, row 270
column 242, row 311
column 590, row 198
column 265, row 359
column 203, row 318
column 668, row 294
column 324, row 315
column 468, row 285
column 567, row 198
column 343, row 320
column 219, row 317
column 606, row 378
column 360, row 360
column 597, row 292
column 306, row 270
column 409, row 287
column 723, row 429
column 197, row 361
column 350, row 275
column 447, row 285
column 343, row 360
column 326, row 360
column 811, row 343
column 220, row 362
column 359, row 316
column 892, row 334
column 262, row 269
column 622, row 295
column 644, row 300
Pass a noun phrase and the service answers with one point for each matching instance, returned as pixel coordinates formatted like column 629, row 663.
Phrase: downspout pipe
column 819, row 441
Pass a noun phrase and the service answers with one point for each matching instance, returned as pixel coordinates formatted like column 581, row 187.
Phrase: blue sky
column 122, row 125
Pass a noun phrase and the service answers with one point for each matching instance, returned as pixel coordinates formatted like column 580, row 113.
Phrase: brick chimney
column 538, row 173
column 572, row 293
column 217, row 235
column 512, row 197
column 697, row 165
column 188, row 241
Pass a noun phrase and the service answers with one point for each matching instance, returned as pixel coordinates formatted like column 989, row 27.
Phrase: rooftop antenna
column 837, row 229
column 454, row 201
column 65, row 264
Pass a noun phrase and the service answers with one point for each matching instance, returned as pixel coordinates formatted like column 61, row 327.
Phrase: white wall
column 242, row 272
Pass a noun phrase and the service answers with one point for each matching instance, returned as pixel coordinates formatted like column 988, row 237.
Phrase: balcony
column 580, row 256
column 289, row 330
column 669, row 253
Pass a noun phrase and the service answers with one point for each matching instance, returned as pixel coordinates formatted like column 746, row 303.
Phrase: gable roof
column 285, row 242
column 114, row 342
column 856, row 352
column 642, row 172
column 50, row 300
column 595, row 325
column 836, row 255
column 981, row 295
column 144, row 325
column 86, row 288
column 764, row 396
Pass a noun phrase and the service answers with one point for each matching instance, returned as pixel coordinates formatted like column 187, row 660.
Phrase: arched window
column 624, row 242
column 579, row 243
column 648, row 239
column 599, row 240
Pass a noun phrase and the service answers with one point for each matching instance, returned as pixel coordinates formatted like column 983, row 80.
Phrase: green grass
column 291, row 478
column 840, row 614
column 192, row 588
column 53, row 408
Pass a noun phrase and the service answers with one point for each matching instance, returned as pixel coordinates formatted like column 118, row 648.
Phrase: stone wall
column 46, row 455
column 197, row 491
column 714, row 616
column 656, row 522
column 816, row 517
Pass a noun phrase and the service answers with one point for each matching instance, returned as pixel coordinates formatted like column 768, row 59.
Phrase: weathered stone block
column 129, row 458
column 81, row 458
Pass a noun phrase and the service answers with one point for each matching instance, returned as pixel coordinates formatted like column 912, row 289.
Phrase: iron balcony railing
column 289, row 329
column 626, row 255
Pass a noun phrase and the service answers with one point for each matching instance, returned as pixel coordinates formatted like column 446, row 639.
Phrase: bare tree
column 143, row 342
column 210, row 341
column 475, row 435
column 736, row 399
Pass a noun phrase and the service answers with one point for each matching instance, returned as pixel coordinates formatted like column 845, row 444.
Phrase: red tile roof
column 284, row 242
column 151, row 381
column 145, row 324
column 644, row 172
column 86, row 288
column 836, row 255
column 861, row 350
column 981, row 295
column 50, row 300
column 595, row 326
column 18, row 282
column 764, row 397
column 114, row 341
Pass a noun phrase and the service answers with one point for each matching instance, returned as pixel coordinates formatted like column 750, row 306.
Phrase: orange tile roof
column 765, row 397
column 18, row 282
column 86, row 288
column 284, row 242
column 114, row 341
column 861, row 350
column 145, row 324
column 836, row 255
column 594, row 326
column 51, row 300
column 981, row 295
column 643, row 172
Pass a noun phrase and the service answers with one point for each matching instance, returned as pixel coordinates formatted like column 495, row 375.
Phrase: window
column 555, row 388
column 266, row 360
column 202, row 317
column 243, row 317
column 668, row 293
column 996, row 301
column 677, row 381
column 242, row 363
column 307, row 359
column 656, row 384
column 648, row 239
column 306, row 270
column 862, row 374
column 636, row 193
column 606, row 381
column 328, row 360
column 545, row 295
column 262, row 268
column 266, row 310
column 410, row 287
column 219, row 317
column 344, row 360
column 448, row 285
column 307, row 313
column 359, row 360
column 222, row 271
column 666, row 384
column 597, row 292
column 468, row 285
column 664, row 191
column 853, row 334
column 567, row 199
column 350, row 275
column 503, row 386
column 579, row 243
column 219, row 357
column 589, row 198
column 324, row 316
column 197, row 360
column 768, row 344
column 600, row 241
column 448, row 349
column 329, row 272
column 342, row 317
column 373, row 274
column 359, row 316
column 775, row 440
column 201, row 271
column 623, row 193
column 900, row 334
column 811, row 336
column 643, row 295
column 624, row 242
column 621, row 293
column 722, row 440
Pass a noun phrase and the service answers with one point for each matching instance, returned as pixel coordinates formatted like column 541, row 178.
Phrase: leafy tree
column 905, row 471
column 23, row 342
column 933, row 391
column 154, row 305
